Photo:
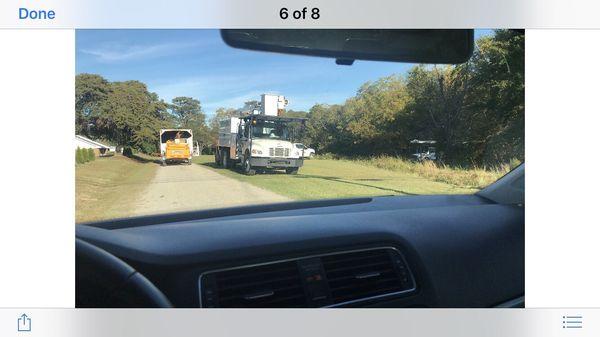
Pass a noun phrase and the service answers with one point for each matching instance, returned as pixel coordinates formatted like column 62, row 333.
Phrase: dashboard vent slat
column 271, row 285
column 360, row 275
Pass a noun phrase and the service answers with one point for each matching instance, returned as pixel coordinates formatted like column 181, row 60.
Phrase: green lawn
column 107, row 187
column 327, row 178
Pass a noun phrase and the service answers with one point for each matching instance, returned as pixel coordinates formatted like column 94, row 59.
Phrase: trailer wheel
column 291, row 170
column 248, row 170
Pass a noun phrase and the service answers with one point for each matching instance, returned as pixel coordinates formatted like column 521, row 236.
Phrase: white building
column 86, row 143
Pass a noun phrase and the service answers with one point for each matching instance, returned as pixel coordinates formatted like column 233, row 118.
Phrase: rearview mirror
column 442, row 46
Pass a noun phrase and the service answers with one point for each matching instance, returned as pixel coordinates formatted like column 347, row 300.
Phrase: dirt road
column 193, row 187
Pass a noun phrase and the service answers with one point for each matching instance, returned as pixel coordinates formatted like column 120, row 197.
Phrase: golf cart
column 422, row 150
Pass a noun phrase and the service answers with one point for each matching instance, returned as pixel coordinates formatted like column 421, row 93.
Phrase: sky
column 197, row 63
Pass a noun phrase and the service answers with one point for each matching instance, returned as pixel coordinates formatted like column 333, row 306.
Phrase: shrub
column 514, row 163
column 79, row 158
column 127, row 151
column 328, row 155
column 91, row 155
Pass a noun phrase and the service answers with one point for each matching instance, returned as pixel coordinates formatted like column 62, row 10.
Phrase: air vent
column 326, row 280
column 366, row 274
column 275, row 285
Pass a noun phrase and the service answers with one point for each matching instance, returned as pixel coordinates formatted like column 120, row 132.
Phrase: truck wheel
column 225, row 159
column 248, row 170
column 217, row 157
column 291, row 170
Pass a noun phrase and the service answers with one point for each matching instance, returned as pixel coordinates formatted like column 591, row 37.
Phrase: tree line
column 128, row 115
column 474, row 111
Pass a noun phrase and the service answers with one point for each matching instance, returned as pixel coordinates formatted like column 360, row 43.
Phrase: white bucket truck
column 260, row 139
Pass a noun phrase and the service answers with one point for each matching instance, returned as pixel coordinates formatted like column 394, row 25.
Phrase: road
column 193, row 187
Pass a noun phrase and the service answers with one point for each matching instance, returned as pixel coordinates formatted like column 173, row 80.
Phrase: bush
column 514, row 163
column 91, row 156
column 329, row 155
column 127, row 151
column 79, row 158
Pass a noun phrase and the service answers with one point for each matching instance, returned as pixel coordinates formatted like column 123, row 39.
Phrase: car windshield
column 270, row 130
column 249, row 128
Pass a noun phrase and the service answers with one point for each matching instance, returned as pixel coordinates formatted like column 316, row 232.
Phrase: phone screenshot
column 266, row 169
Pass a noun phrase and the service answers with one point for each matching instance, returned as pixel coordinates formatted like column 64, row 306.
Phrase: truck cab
column 265, row 142
column 260, row 139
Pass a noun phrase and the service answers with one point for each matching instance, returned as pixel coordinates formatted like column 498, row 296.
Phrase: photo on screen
column 300, row 168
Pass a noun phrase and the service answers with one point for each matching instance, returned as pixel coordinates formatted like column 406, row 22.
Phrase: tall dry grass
column 474, row 177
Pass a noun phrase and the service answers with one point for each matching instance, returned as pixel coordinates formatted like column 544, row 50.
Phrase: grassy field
column 328, row 178
column 106, row 187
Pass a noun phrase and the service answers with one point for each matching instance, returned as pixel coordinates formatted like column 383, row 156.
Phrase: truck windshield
column 270, row 130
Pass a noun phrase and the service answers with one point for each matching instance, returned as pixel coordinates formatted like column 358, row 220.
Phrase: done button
column 36, row 14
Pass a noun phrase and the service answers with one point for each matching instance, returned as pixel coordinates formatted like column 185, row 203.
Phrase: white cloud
column 119, row 52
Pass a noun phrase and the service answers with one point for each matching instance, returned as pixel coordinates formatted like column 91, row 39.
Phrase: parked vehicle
column 260, row 140
column 422, row 150
column 306, row 152
column 176, row 146
column 197, row 149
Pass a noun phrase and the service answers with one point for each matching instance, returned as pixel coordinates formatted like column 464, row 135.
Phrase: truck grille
column 279, row 152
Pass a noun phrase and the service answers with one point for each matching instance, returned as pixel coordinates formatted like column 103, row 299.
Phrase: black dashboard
column 418, row 251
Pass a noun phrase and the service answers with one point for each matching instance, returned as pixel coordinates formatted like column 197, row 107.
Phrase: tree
column 376, row 116
column 497, row 98
column 475, row 110
column 326, row 129
column 437, row 104
column 220, row 114
column 189, row 115
column 186, row 110
column 90, row 93
column 131, row 116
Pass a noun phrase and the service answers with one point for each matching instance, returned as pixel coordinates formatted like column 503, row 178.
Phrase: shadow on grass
column 356, row 183
column 144, row 159
column 328, row 178
column 211, row 165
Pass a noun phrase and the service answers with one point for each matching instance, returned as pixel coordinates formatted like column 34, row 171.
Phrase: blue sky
column 197, row 63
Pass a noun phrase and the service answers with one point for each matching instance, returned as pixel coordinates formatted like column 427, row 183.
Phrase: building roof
column 91, row 142
column 416, row 141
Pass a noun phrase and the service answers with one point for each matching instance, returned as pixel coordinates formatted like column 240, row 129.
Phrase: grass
column 476, row 178
column 328, row 178
column 107, row 186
